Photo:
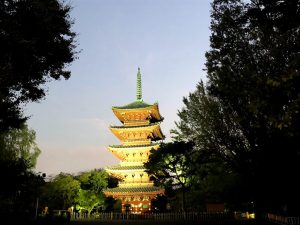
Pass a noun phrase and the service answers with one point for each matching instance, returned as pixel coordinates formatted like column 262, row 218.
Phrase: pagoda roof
column 122, row 151
column 134, row 146
column 144, row 111
column 134, row 189
column 138, row 104
column 138, row 126
column 120, row 168
column 152, row 130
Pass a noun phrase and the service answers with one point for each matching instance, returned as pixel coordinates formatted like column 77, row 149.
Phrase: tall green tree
column 18, row 156
column 253, row 69
column 170, row 166
column 217, row 134
column 19, row 144
column 60, row 192
column 248, row 114
column 92, row 184
column 94, row 180
column 89, row 200
column 37, row 44
column 83, row 190
column 220, row 149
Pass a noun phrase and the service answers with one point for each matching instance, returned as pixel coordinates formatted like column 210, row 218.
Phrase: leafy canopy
column 83, row 190
column 248, row 114
column 19, row 144
column 170, row 164
column 36, row 45
column 61, row 191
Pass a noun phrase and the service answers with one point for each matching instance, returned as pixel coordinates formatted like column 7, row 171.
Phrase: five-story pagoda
column 138, row 135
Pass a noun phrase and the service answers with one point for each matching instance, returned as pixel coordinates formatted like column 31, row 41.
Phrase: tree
column 216, row 133
column 36, row 45
column 83, row 190
column 220, row 149
column 248, row 116
column 18, row 156
column 95, row 180
column 61, row 191
column 21, row 185
column 92, row 184
column 19, row 144
column 253, row 69
column 170, row 166
column 88, row 200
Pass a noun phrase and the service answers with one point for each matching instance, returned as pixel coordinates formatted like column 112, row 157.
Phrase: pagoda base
column 136, row 207
column 135, row 199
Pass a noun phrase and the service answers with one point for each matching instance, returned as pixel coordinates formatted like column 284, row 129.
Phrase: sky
column 167, row 39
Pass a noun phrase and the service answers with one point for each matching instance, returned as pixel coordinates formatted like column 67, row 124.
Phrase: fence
column 194, row 216
column 283, row 219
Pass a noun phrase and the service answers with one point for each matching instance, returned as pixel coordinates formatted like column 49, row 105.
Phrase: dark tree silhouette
column 249, row 114
column 36, row 45
column 171, row 166
column 253, row 69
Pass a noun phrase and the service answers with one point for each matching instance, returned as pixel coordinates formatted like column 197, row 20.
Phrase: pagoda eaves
column 137, row 112
column 138, row 134
column 132, row 153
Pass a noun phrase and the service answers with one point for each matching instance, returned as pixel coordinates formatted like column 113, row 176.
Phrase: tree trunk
column 183, row 201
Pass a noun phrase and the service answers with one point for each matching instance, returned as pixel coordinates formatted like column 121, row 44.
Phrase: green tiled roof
column 133, row 189
column 148, row 125
column 134, row 105
column 133, row 146
column 125, row 167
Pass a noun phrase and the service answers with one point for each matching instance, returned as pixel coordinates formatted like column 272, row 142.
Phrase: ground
column 137, row 222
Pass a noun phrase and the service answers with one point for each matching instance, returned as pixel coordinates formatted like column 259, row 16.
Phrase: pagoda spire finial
column 139, row 86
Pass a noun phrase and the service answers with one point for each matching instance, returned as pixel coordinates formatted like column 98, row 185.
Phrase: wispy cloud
column 97, row 123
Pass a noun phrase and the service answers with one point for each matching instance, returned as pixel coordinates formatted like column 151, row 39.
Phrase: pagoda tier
column 131, row 194
column 133, row 153
column 121, row 191
column 141, row 126
column 137, row 199
column 138, row 112
column 131, row 174
column 138, row 135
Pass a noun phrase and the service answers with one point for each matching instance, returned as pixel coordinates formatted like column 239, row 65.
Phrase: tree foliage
column 95, row 180
column 92, row 184
column 220, row 148
column 217, row 134
column 18, row 155
column 61, row 191
column 19, row 144
column 83, row 190
column 21, row 185
column 36, row 45
column 89, row 199
column 253, row 69
column 170, row 166
column 248, row 114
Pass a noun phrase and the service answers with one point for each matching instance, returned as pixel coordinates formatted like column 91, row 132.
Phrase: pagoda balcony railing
column 132, row 163
column 137, row 142
column 153, row 216
column 134, row 183
column 132, row 123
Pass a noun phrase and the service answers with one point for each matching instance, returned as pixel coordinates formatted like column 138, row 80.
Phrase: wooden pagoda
column 138, row 134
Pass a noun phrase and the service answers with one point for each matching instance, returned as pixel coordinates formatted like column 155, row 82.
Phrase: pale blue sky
column 167, row 39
